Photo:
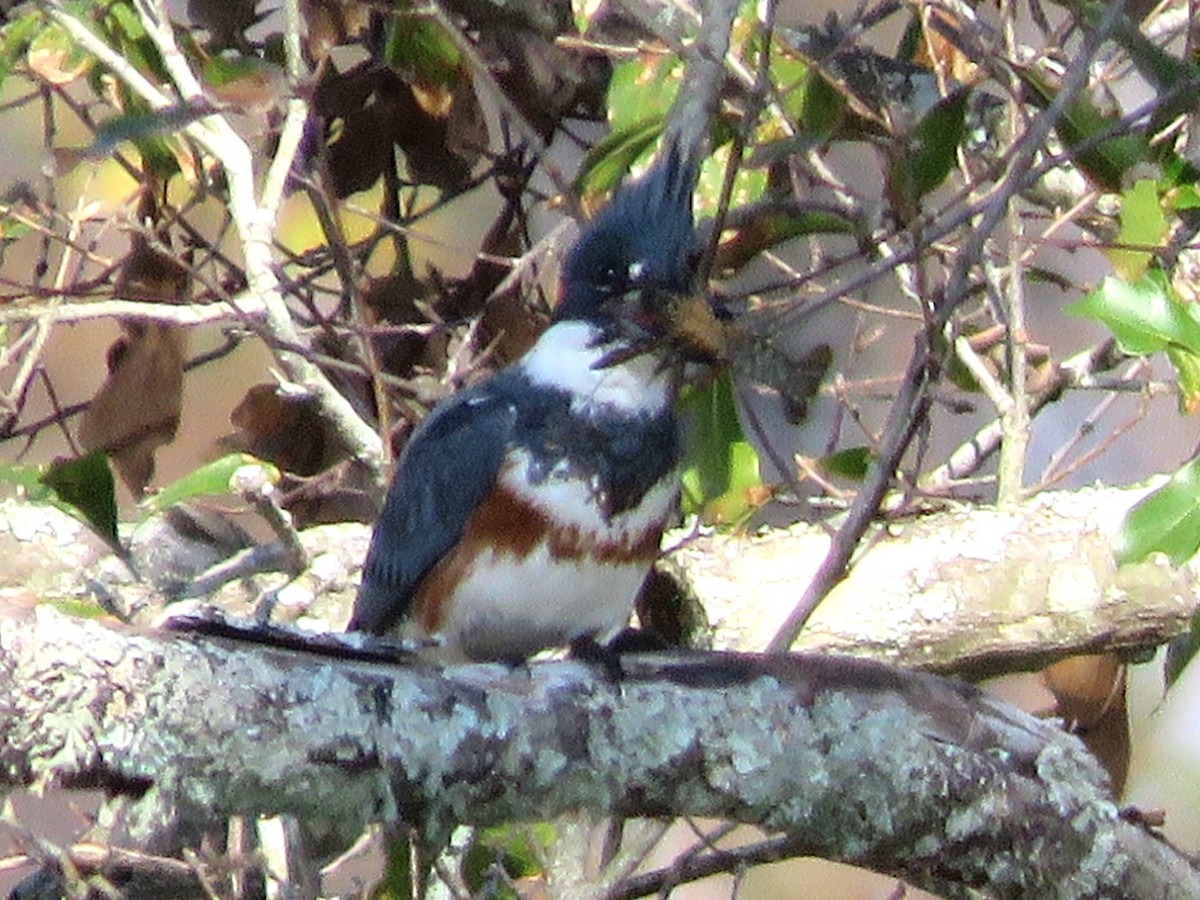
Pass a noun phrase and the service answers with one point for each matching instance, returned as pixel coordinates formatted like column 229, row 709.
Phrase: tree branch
column 1023, row 587
column 244, row 307
column 253, row 218
column 904, row 773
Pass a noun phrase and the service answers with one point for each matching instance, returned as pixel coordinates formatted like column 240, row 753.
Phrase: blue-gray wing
column 448, row 468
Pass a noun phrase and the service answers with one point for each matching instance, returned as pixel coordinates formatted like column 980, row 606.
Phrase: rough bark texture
column 901, row 772
column 974, row 590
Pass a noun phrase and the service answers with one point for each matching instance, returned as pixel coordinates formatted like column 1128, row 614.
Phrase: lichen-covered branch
column 901, row 772
column 1023, row 587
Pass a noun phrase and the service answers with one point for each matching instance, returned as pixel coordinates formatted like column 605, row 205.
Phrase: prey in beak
column 684, row 325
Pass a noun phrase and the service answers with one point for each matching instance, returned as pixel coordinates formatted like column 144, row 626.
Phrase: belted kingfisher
column 526, row 511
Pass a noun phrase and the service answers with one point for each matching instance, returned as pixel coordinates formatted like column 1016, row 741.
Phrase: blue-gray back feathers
column 452, row 462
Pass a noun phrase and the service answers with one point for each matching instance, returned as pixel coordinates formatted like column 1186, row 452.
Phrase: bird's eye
column 637, row 268
column 611, row 280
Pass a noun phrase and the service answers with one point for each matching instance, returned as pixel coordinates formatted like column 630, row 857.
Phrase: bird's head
column 630, row 270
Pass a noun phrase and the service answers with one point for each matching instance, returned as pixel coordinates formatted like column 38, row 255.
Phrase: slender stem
column 908, row 410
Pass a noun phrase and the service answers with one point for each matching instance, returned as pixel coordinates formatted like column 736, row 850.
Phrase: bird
column 527, row 510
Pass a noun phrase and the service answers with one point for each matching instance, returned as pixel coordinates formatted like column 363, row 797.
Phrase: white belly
column 511, row 607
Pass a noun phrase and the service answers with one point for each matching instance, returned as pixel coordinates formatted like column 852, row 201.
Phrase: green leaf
column 721, row 473
column 1181, row 651
column 15, row 38
column 935, row 143
column 11, row 230
column 211, row 478
column 397, row 879
column 643, row 89
column 751, row 238
column 957, row 373
column 748, row 184
column 122, row 28
column 852, row 463
column 912, row 39
column 27, row 480
column 712, row 415
column 746, row 489
column 517, row 848
column 639, row 94
column 1143, row 224
column 1142, row 315
column 77, row 608
column 814, row 104
column 55, row 56
column 610, row 160
column 1146, row 316
column 1185, row 196
column 790, row 75
column 86, row 487
column 1101, row 150
column 1177, row 172
column 1166, row 521
column 1186, row 363
column 420, row 49
column 932, row 148
column 122, row 19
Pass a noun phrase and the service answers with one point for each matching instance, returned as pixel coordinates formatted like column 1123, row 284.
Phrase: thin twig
column 255, row 226
column 909, row 409
column 245, row 308
column 1078, row 372
column 294, row 121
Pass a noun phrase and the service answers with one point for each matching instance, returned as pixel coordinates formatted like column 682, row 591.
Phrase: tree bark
column 900, row 772
column 974, row 591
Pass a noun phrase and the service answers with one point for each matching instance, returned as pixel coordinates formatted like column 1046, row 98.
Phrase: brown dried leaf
column 289, row 431
column 226, row 21
column 281, row 428
column 55, row 58
column 545, row 80
column 152, row 276
column 939, row 50
column 1090, row 691
column 137, row 409
column 435, row 100
column 332, row 23
column 466, row 128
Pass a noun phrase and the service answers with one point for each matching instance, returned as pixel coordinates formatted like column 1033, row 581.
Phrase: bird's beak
column 685, row 322
column 693, row 327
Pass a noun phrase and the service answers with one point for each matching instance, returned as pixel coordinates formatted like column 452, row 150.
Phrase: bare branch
column 242, row 308
column 1078, row 372
column 968, row 591
column 1024, row 586
column 111, row 59
column 292, row 132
